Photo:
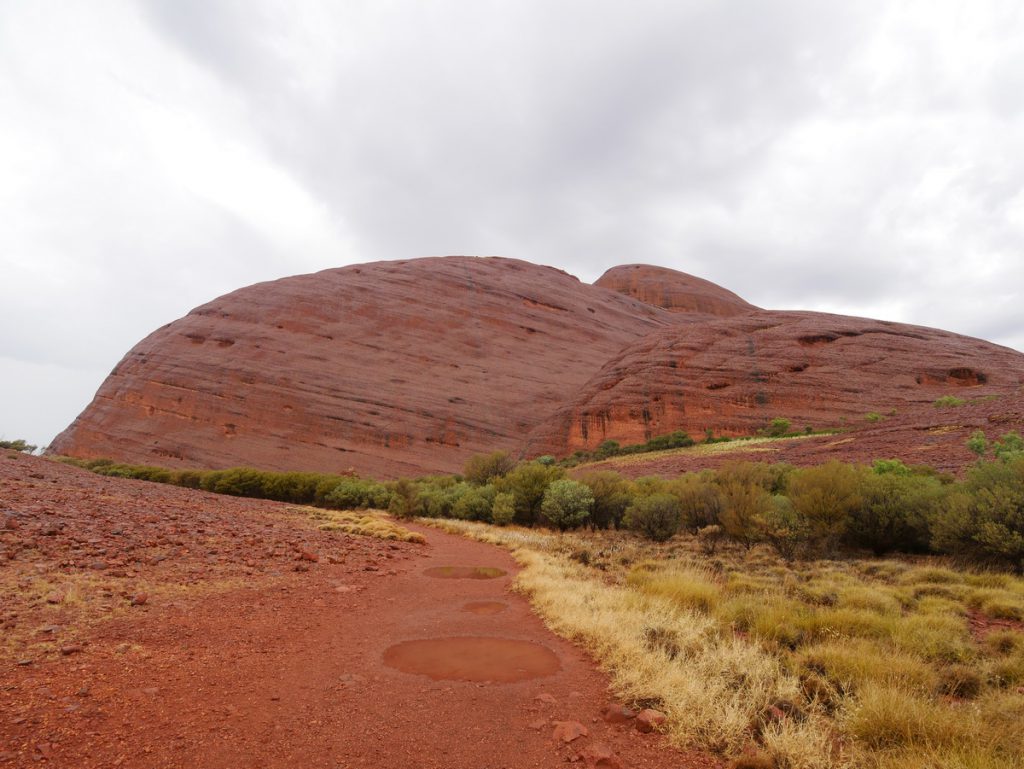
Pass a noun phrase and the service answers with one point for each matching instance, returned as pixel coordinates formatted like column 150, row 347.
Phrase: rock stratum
column 410, row 367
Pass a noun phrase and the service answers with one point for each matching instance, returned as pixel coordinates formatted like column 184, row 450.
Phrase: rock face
column 410, row 367
column 674, row 291
column 732, row 375
column 391, row 368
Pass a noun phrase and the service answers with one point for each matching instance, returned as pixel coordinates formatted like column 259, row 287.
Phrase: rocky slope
column 410, row 367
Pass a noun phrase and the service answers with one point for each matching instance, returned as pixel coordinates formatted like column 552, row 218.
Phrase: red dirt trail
column 290, row 672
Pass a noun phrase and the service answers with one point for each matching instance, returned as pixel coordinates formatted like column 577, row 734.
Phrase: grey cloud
column 866, row 157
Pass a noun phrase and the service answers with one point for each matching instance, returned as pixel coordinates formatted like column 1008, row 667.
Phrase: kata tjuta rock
column 410, row 367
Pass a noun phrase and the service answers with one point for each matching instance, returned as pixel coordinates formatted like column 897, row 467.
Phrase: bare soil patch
column 261, row 641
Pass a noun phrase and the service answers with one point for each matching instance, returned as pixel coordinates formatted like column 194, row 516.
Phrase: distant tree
column 404, row 498
column 567, row 503
column 503, row 510
column 474, row 504
column 481, row 469
column 655, row 516
column 611, row 498
column 527, row 483
column 777, row 427
column 18, row 445
column 826, row 497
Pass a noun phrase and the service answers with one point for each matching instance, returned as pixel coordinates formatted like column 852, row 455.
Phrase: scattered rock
column 140, row 599
column 615, row 713
column 546, row 698
column 11, row 523
column 597, row 755
column 567, row 731
column 71, row 649
column 57, row 596
column 649, row 720
column 539, row 724
column 307, row 555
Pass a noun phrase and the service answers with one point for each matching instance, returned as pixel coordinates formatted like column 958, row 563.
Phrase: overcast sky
column 855, row 157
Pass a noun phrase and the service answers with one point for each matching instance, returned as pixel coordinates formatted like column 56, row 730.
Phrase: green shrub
column 611, row 498
column 481, row 469
column 474, row 503
column 404, row 498
column 567, row 503
column 527, row 482
column 984, row 517
column 778, row 427
column 895, row 511
column 503, row 510
column 357, row 494
column 743, row 510
column 18, row 445
column 826, row 497
column 948, row 401
column 700, row 501
column 656, row 516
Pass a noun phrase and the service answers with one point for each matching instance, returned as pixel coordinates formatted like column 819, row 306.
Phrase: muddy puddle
column 464, row 572
column 499, row 660
column 485, row 607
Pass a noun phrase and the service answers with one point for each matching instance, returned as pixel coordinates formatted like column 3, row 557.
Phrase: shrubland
column 800, row 513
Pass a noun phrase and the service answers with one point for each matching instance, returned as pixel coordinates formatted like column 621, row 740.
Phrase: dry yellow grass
column 757, row 445
column 363, row 523
column 873, row 659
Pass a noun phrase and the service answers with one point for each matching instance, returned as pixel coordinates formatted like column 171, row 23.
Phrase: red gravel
column 279, row 668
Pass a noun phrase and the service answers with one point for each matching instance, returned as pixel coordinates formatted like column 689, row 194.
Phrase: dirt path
column 249, row 655
column 293, row 676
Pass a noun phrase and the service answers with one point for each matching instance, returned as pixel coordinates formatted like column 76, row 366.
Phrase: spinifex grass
column 821, row 664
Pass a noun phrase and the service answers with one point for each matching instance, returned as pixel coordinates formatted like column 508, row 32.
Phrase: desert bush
column 826, row 497
column 895, row 511
column 481, row 469
column 18, row 444
column 984, row 518
column 708, row 538
column 474, row 503
column 744, row 507
column 503, row 510
column 527, row 482
column 404, row 501
column 778, row 427
column 567, row 503
column 655, row 516
column 780, row 526
column 700, row 502
column 948, row 401
column 356, row 494
column 611, row 494
column 236, row 482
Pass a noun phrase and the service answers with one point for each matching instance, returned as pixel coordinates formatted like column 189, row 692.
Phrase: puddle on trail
column 464, row 572
column 499, row 660
column 485, row 607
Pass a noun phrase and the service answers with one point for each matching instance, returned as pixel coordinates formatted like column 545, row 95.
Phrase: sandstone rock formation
column 410, row 367
column 388, row 368
column 731, row 375
column 674, row 291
